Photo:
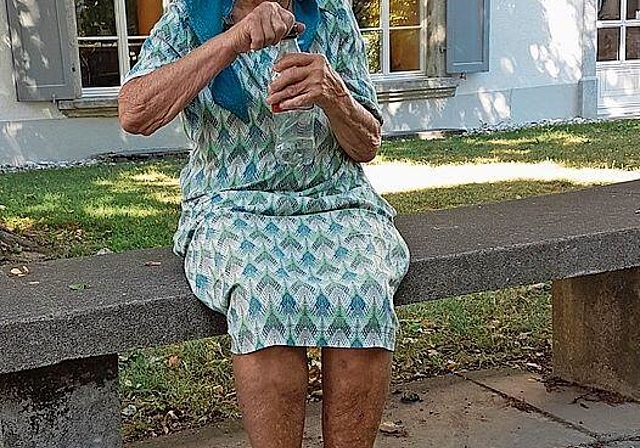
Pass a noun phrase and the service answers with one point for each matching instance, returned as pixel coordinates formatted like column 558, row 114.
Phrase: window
column 618, row 30
column 110, row 36
column 111, row 32
column 393, row 31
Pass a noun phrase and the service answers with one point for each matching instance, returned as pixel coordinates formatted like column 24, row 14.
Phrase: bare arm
column 309, row 79
column 357, row 130
column 147, row 103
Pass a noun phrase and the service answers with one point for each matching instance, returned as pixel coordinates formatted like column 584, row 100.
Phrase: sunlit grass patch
column 611, row 144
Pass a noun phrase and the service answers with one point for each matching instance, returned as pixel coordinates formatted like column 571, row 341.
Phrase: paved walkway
column 490, row 409
column 394, row 177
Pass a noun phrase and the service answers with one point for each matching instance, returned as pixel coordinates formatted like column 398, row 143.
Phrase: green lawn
column 612, row 144
column 136, row 205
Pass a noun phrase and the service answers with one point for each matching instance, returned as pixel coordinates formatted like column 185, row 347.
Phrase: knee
column 358, row 364
column 276, row 371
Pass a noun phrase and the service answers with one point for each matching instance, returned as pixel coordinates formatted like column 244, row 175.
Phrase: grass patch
column 78, row 211
column 610, row 144
column 420, row 201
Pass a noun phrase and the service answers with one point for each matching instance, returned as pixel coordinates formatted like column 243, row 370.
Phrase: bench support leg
column 596, row 331
column 73, row 404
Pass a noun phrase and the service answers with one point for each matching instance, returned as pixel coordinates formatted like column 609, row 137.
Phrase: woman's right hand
column 266, row 25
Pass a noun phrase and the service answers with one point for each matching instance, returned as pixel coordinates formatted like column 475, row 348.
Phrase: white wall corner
column 589, row 82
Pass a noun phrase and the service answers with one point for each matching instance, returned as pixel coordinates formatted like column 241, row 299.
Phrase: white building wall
column 536, row 68
column 538, row 53
column 39, row 132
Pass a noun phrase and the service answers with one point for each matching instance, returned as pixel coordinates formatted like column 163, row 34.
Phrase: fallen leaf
column 450, row 365
column 22, row 271
column 173, row 361
column 129, row 411
column 317, row 394
column 78, row 286
column 218, row 390
column 393, row 429
column 153, row 263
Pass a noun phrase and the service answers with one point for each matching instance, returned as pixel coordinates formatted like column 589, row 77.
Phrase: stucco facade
column 542, row 66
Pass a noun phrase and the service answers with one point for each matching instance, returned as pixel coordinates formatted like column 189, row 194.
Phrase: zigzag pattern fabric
column 291, row 255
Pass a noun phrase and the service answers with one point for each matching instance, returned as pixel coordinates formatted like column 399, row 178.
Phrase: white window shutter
column 45, row 49
column 467, row 36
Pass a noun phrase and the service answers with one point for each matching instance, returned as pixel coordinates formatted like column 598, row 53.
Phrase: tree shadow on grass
column 78, row 211
column 602, row 145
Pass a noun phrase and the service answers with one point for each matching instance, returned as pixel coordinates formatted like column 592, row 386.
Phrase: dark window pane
column 608, row 44
column 95, row 18
column 633, row 9
column 374, row 44
column 142, row 15
column 608, row 9
column 404, row 12
column 367, row 12
column 633, row 43
column 405, row 50
column 99, row 64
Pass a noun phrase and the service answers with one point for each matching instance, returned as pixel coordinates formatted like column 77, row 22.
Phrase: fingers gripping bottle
column 294, row 138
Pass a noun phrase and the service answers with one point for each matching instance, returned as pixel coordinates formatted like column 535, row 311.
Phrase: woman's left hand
column 305, row 79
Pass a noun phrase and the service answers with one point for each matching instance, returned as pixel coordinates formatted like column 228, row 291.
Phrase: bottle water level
column 295, row 142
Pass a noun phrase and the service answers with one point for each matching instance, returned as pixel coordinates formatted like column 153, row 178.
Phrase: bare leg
column 355, row 386
column 272, row 392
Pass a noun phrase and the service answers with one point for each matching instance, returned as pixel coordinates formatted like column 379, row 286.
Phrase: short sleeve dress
column 292, row 255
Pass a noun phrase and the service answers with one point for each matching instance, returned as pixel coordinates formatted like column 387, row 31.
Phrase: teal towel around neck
column 207, row 19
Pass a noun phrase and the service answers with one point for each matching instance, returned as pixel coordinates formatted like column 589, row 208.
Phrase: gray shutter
column 45, row 49
column 467, row 36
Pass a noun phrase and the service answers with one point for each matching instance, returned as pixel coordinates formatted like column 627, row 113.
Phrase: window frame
column 621, row 24
column 431, row 81
column 385, row 29
column 123, row 40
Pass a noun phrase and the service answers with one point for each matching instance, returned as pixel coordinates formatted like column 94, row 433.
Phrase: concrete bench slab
column 129, row 303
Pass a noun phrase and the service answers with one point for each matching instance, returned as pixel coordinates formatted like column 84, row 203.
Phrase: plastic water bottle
column 294, row 138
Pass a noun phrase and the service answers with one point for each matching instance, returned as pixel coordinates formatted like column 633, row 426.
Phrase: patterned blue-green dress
column 292, row 255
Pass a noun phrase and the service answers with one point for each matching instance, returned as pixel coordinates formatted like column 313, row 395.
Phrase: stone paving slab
column 572, row 404
column 453, row 413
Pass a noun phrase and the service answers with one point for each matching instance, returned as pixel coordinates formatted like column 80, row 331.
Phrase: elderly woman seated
column 294, row 255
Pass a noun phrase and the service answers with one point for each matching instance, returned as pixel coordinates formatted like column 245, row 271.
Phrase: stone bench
column 59, row 346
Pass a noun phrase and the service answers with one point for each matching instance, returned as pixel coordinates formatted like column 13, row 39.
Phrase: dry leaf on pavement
column 21, row 271
column 393, row 429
